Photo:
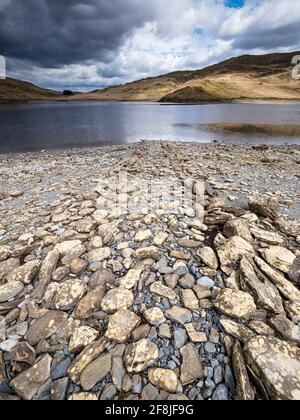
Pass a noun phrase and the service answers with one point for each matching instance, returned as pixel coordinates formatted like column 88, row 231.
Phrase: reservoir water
column 54, row 125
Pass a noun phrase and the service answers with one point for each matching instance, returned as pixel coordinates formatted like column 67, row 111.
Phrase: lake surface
column 39, row 126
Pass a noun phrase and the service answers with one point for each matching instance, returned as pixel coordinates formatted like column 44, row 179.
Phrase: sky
column 88, row 44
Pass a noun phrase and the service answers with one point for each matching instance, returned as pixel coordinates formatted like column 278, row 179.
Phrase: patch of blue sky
column 198, row 31
column 235, row 4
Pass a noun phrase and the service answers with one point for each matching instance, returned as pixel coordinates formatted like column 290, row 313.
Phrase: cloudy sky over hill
column 85, row 44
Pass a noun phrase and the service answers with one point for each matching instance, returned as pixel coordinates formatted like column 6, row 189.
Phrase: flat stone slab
column 116, row 299
column 46, row 326
column 29, row 382
column 277, row 364
column 278, row 257
column 164, row 379
column 235, row 304
column 121, row 324
column 69, row 294
column 95, row 372
column 164, row 291
column 180, row 315
column 192, row 367
column 131, row 279
column 141, row 355
column 10, row 290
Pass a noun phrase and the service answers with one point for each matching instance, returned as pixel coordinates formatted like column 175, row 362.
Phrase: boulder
column 265, row 207
column 266, row 295
column 121, row 324
column 164, row 291
column 88, row 355
column 280, row 258
column 82, row 337
column 45, row 327
column 28, row 383
column 294, row 273
column 238, row 227
column 4, row 252
column 232, row 252
column 95, row 372
column 7, row 266
column 26, row 273
column 131, row 279
column 293, row 311
column 164, row 379
column 10, row 291
column 237, row 330
column 189, row 300
column 143, row 235
column 154, row 316
column 141, row 355
column 98, row 255
column 208, row 257
column 277, row 364
column 267, row 237
column 195, row 336
column 288, row 227
column 45, row 275
column 102, row 278
column 244, row 389
column 69, row 294
column 65, row 248
column 286, row 288
column 179, row 315
column 151, row 252
column 90, row 304
column 286, row 329
column 116, row 299
column 235, row 304
column 192, row 367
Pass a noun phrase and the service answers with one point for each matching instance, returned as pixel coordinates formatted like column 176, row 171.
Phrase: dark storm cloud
column 84, row 43
column 53, row 33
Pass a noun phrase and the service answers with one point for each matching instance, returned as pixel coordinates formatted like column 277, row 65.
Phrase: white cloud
column 167, row 41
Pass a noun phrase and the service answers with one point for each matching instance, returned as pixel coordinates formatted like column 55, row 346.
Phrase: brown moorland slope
column 249, row 77
column 264, row 77
column 19, row 91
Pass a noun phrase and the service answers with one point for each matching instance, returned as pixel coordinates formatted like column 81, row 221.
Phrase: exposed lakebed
column 100, row 302
column 37, row 126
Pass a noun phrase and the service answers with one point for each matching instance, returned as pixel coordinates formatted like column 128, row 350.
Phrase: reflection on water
column 39, row 126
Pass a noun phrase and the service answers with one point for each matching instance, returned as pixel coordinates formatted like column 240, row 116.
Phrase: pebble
column 221, row 393
column 206, row 282
column 180, row 338
column 210, row 348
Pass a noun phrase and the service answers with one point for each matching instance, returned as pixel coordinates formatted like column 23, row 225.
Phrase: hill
column 249, row 77
column 12, row 90
column 264, row 77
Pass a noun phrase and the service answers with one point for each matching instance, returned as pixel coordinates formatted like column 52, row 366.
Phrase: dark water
column 28, row 127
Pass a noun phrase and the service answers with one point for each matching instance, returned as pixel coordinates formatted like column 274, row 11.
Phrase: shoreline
column 98, row 302
column 271, row 162
column 257, row 101
column 211, row 143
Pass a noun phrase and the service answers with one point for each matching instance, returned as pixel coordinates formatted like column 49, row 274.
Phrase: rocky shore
column 97, row 302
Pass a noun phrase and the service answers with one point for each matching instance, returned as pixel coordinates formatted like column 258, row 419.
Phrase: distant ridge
column 263, row 77
column 248, row 77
